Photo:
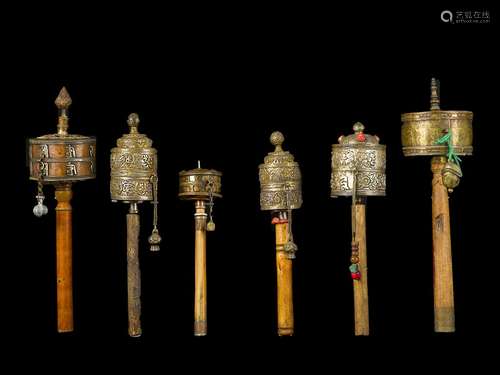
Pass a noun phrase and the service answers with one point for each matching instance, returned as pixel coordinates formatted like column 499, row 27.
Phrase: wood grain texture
column 200, row 270
column 64, row 258
column 133, row 276
column 361, row 311
column 284, row 283
column 444, row 310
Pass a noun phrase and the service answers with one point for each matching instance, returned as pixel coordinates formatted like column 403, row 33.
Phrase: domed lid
column 278, row 157
column 359, row 138
column 63, row 101
column 134, row 139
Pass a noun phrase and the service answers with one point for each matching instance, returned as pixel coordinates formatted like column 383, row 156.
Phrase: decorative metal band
column 435, row 150
column 131, row 189
column 58, row 139
column 437, row 115
column 278, row 198
column 269, row 174
column 127, row 163
column 200, row 222
column 368, row 183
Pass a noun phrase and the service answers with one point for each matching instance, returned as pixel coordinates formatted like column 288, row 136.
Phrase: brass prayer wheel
column 134, row 179
column 422, row 130
column 61, row 159
column 281, row 192
column 201, row 186
column 280, row 179
column 444, row 135
column 358, row 159
column 358, row 171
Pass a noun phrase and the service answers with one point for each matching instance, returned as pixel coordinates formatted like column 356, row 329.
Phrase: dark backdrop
column 214, row 88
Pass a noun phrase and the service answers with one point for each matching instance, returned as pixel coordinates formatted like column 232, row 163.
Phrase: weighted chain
column 40, row 209
column 210, row 224
column 155, row 238
column 290, row 246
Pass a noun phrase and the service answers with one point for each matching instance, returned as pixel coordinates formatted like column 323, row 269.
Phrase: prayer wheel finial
column 63, row 101
column 435, row 94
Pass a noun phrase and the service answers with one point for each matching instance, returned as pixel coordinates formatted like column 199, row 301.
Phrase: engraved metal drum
column 280, row 179
column 133, row 164
column 358, row 157
column 421, row 130
column 54, row 158
column 197, row 184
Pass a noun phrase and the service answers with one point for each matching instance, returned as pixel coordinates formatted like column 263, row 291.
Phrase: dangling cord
column 290, row 246
column 40, row 209
column 354, row 267
column 210, row 224
column 446, row 139
column 155, row 238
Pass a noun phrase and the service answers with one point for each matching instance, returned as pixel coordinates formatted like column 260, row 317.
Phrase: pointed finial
column 63, row 100
column 434, row 94
column 277, row 140
column 133, row 122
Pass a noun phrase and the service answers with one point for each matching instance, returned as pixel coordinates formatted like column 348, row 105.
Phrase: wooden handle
column 444, row 310
column 200, row 270
column 133, row 276
column 64, row 258
column 361, row 312
column 284, row 279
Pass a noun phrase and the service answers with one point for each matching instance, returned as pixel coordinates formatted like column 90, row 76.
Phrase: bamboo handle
column 444, row 310
column 200, row 275
column 284, row 280
column 361, row 312
column 133, row 275
column 64, row 258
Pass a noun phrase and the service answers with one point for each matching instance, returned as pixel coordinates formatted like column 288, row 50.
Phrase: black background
column 213, row 85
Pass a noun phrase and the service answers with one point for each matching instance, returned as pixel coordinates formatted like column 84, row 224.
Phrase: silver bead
column 40, row 209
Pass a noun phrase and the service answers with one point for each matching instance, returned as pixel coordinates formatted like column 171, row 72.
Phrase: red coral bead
column 356, row 275
column 360, row 137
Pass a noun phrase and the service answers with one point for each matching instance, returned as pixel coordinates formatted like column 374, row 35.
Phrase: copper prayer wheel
column 444, row 135
column 358, row 171
column 201, row 186
column 281, row 192
column 134, row 179
column 61, row 159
